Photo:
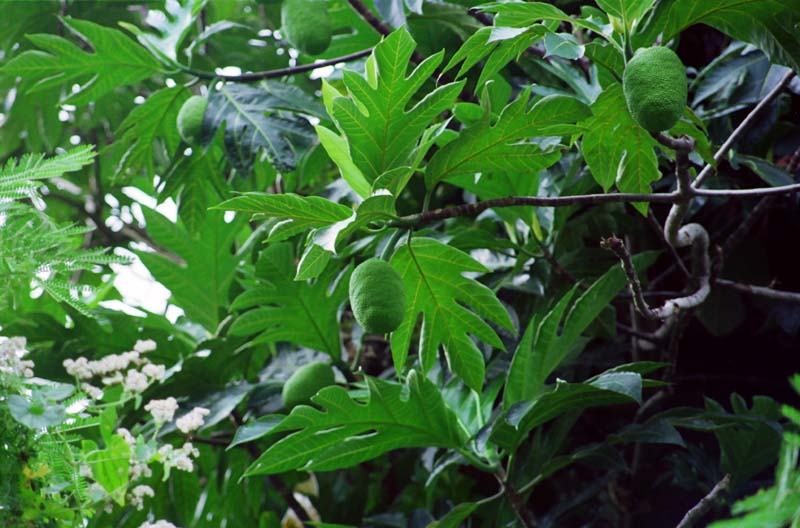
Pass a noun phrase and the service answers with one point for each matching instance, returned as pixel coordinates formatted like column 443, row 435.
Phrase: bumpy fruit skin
column 306, row 382
column 377, row 296
column 655, row 88
column 190, row 119
column 306, row 25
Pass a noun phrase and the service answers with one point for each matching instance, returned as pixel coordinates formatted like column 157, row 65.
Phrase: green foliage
column 306, row 382
column 116, row 61
column 377, row 296
column 655, row 88
column 306, row 25
column 436, row 288
column 194, row 293
column 346, row 432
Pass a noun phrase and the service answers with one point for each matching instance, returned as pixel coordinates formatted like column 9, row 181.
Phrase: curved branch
column 282, row 72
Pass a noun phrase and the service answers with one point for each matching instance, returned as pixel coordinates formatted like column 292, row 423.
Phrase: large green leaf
column 617, row 149
column 263, row 116
column 117, row 60
column 171, row 28
column 629, row 11
column 110, row 466
column 377, row 119
column 771, row 25
column 301, row 312
column 435, row 287
column 346, row 432
column 537, row 357
column 503, row 146
column 144, row 129
column 200, row 284
column 610, row 388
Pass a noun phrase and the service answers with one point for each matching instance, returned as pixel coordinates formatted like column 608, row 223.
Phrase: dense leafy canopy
column 346, row 263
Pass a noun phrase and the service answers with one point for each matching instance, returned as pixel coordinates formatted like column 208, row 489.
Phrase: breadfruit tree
column 383, row 263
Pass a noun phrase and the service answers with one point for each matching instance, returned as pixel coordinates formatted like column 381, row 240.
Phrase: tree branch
column 760, row 291
column 538, row 201
column 705, row 504
column 759, row 191
column 743, row 126
column 282, row 72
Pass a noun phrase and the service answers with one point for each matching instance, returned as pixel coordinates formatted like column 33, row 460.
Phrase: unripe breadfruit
column 306, row 25
column 655, row 88
column 190, row 119
column 377, row 296
column 306, row 382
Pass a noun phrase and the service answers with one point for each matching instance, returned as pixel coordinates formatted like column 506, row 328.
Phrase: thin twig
column 705, row 504
column 743, row 126
column 282, row 72
column 539, row 201
column 516, row 500
column 582, row 199
column 761, row 191
column 761, row 291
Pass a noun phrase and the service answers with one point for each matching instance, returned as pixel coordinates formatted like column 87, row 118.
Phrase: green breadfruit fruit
column 306, row 25
column 306, row 382
column 377, row 296
column 655, row 88
column 190, row 119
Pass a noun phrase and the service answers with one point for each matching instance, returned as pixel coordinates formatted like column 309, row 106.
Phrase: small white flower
column 85, row 471
column 158, row 524
column 138, row 494
column 94, row 392
column 144, row 345
column 135, row 381
column 128, row 437
column 155, row 372
column 12, row 350
column 162, row 410
column 192, row 421
column 78, row 368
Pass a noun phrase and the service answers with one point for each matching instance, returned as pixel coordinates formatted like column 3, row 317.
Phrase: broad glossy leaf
column 346, row 432
column 149, row 126
column 263, row 116
column 117, row 60
column 629, row 11
column 436, row 288
column 537, row 357
column 770, row 25
column 377, row 118
column 617, row 149
column 487, row 147
column 607, row 389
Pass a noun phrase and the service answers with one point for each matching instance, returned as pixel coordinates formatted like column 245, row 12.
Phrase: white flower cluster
column 114, row 369
column 12, row 350
column 158, row 524
column 137, row 495
column 178, row 458
column 193, row 420
column 162, row 410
